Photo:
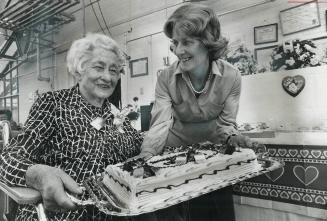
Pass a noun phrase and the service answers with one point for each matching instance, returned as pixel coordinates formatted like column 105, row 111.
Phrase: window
column 9, row 93
column 9, row 77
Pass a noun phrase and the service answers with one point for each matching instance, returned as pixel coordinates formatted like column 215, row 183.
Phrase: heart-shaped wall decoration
column 293, row 85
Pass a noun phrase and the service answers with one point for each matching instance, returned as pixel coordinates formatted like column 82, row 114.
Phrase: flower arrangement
column 294, row 54
column 120, row 115
column 242, row 59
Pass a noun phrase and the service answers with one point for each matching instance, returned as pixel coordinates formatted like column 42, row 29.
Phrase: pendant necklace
column 204, row 89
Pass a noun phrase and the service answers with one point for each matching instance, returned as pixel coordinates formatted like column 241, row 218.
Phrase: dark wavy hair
column 201, row 22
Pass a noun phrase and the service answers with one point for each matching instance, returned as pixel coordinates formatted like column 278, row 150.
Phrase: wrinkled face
column 100, row 75
column 191, row 52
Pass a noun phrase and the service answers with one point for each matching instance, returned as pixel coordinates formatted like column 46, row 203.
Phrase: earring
column 78, row 76
column 172, row 48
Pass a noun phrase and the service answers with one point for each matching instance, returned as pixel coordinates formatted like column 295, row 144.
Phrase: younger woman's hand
column 238, row 141
column 241, row 141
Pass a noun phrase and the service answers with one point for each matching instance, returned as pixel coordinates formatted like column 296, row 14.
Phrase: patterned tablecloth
column 302, row 181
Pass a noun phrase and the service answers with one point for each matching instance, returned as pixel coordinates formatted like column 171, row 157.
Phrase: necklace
column 204, row 89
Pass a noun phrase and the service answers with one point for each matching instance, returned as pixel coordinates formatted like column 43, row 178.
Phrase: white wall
column 143, row 37
column 263, row 99
column 239, row 25
column 137, row 26
column 235, row 26
column 28, row 85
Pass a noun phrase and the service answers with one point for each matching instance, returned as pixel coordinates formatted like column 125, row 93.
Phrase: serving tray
column 107, row 203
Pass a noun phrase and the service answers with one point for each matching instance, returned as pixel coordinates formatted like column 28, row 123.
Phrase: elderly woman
column 197, row 100
column 69, row 134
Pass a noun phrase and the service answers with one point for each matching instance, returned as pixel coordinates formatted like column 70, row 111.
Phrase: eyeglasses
column 113, row 71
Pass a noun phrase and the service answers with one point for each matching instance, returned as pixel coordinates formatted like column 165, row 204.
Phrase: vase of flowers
column 294, row 54
column 242, row 59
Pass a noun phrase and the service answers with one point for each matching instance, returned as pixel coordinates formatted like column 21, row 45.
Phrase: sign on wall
column 299, row 18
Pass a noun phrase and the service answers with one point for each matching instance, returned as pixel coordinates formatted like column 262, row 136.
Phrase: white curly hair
column 82, row 50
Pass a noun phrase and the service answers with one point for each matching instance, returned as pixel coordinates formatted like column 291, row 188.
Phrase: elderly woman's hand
column 241, row 141
column 53, row 183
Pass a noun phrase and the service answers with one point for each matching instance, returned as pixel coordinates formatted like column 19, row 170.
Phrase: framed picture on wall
column 266, row 34
column 299, row 18
column 321, row 48
column 263, row 56
column 139, row 67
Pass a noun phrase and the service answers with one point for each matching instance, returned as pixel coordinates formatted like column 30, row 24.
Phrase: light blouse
column 179, row 117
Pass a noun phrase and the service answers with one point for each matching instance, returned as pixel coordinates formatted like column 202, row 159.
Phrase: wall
column 137, row 26
column 141, row 36
column 236, row 26
column 299, row 125
column 28, row 85
column 263, row 99
column 240, row 24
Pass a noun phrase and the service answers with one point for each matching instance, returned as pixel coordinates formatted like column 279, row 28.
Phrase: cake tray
column 107, row 202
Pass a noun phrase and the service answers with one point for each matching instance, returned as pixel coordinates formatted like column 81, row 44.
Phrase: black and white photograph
column 163, row 110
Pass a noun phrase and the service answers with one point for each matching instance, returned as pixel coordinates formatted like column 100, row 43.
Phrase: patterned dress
column 58, row 133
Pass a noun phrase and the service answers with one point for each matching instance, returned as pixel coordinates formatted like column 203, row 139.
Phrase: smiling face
column 191, row 52
column 100, row 76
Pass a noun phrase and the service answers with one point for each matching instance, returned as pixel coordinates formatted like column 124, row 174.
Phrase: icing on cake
column 176, row 174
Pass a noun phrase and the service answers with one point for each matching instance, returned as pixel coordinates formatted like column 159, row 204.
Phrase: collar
column 216, row 68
